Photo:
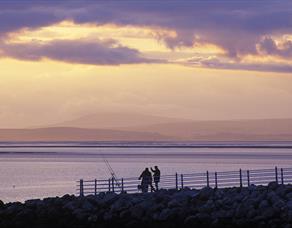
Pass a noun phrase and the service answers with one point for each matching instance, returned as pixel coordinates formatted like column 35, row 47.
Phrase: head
column 156, row 167
column 146, row 169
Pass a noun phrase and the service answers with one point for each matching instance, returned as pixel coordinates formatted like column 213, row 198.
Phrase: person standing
column 156, row 176
column 146, row 180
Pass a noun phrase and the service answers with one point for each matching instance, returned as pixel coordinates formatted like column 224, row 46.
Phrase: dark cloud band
column 78, row 51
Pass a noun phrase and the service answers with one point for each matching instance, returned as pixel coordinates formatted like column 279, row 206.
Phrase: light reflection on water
column 54, row 171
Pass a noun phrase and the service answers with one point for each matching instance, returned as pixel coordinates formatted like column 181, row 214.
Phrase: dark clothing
column 156, row 174
column 156, row 177
column 146, row 180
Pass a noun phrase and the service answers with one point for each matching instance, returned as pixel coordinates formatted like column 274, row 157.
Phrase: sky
column 200, row 60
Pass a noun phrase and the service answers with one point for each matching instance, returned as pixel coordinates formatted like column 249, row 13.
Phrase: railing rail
column 240, row 178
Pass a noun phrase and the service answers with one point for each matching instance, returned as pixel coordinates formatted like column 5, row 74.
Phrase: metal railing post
column 176, row 181
column 182, row 181
column 248, row 181
column 282, row 176
column 240, row 178
column 276, row 174
column 95, row 187
column 216, row 181
column 208, row 185
column 109, row 184
column 81, row 187
column 122, row 184
column 113, row 184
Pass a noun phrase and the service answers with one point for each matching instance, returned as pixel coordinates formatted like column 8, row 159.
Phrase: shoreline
column 256, row 206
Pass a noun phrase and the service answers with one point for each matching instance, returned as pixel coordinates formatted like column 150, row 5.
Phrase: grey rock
column 190, row 221
column 164, row 215
column 280, row 204
column 121, row 204
column 273, row 185
column 289, row 204
column 137, row 212
column 241, row 211
column 264, row 204
column 87, row 206
column 289, row 195
column 205, row 193
column 92, row 219
column 251, row 214
column 71, row 206
column 203, row 217
column 174, row 203
column 268, row 213
column 79, row 214
column 208, row 207
column 273, row 197
column 221, row 214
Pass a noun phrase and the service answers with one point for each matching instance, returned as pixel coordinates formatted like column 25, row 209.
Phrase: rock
column 221, row 214
column 289, row 204
column 109, row 198
column 280, row 204
column 203, row 218
column 273, row 185
column 87, row 206
column 205, row 193
column 208, row 207
column 137, row 212
column 257, row 206
column 125, row 214
column 164, row 215
column 263, row 204
column 289, row 195
column 241, row 211
column 268, row 213
column 273, row 197
column 174, row 203
column 251, row 214
column 190, row 221
column 70, row 206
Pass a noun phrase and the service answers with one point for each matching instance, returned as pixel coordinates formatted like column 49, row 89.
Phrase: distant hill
column 106, row 120
column 75, row 134
column 239, row 130
column 266, row 129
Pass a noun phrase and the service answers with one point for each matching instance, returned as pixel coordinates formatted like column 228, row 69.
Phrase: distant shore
column 254, row 206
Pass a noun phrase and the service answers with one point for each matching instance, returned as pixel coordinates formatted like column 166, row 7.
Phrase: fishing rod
column 111, row 171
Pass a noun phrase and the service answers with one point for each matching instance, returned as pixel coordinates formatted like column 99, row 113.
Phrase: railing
column 225, row 179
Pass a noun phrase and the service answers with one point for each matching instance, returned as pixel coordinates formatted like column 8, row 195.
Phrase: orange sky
column 198, row 81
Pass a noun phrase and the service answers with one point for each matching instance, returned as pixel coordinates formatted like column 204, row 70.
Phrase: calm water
column 40, row 170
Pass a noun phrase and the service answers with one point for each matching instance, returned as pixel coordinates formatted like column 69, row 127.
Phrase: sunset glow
column 176, row 61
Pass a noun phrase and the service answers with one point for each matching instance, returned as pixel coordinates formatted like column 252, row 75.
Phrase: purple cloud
column 81, row 51
column 268, row 46
column 223, row 63
column 236, row 26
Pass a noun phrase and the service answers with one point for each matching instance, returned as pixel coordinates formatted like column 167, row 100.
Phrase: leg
column 156, row 186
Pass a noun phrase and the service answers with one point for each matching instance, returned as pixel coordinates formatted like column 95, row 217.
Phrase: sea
column 42, row 169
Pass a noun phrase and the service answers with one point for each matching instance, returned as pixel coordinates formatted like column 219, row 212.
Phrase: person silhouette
column 146, row 180
column 156, row 176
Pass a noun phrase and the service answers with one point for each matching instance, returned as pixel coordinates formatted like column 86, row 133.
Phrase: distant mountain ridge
column 265, row 129
column 75, row 134
column 140, row 127
column 106, row 120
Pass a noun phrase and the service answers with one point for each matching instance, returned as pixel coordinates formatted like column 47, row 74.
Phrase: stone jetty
column 254, row 206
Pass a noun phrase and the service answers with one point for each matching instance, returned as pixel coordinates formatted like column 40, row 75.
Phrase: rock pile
column 254, row 206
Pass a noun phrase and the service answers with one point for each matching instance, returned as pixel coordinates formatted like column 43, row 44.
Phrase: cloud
column 269, row 47
column 236, row 26
column 97, row 52
column 225, row 63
